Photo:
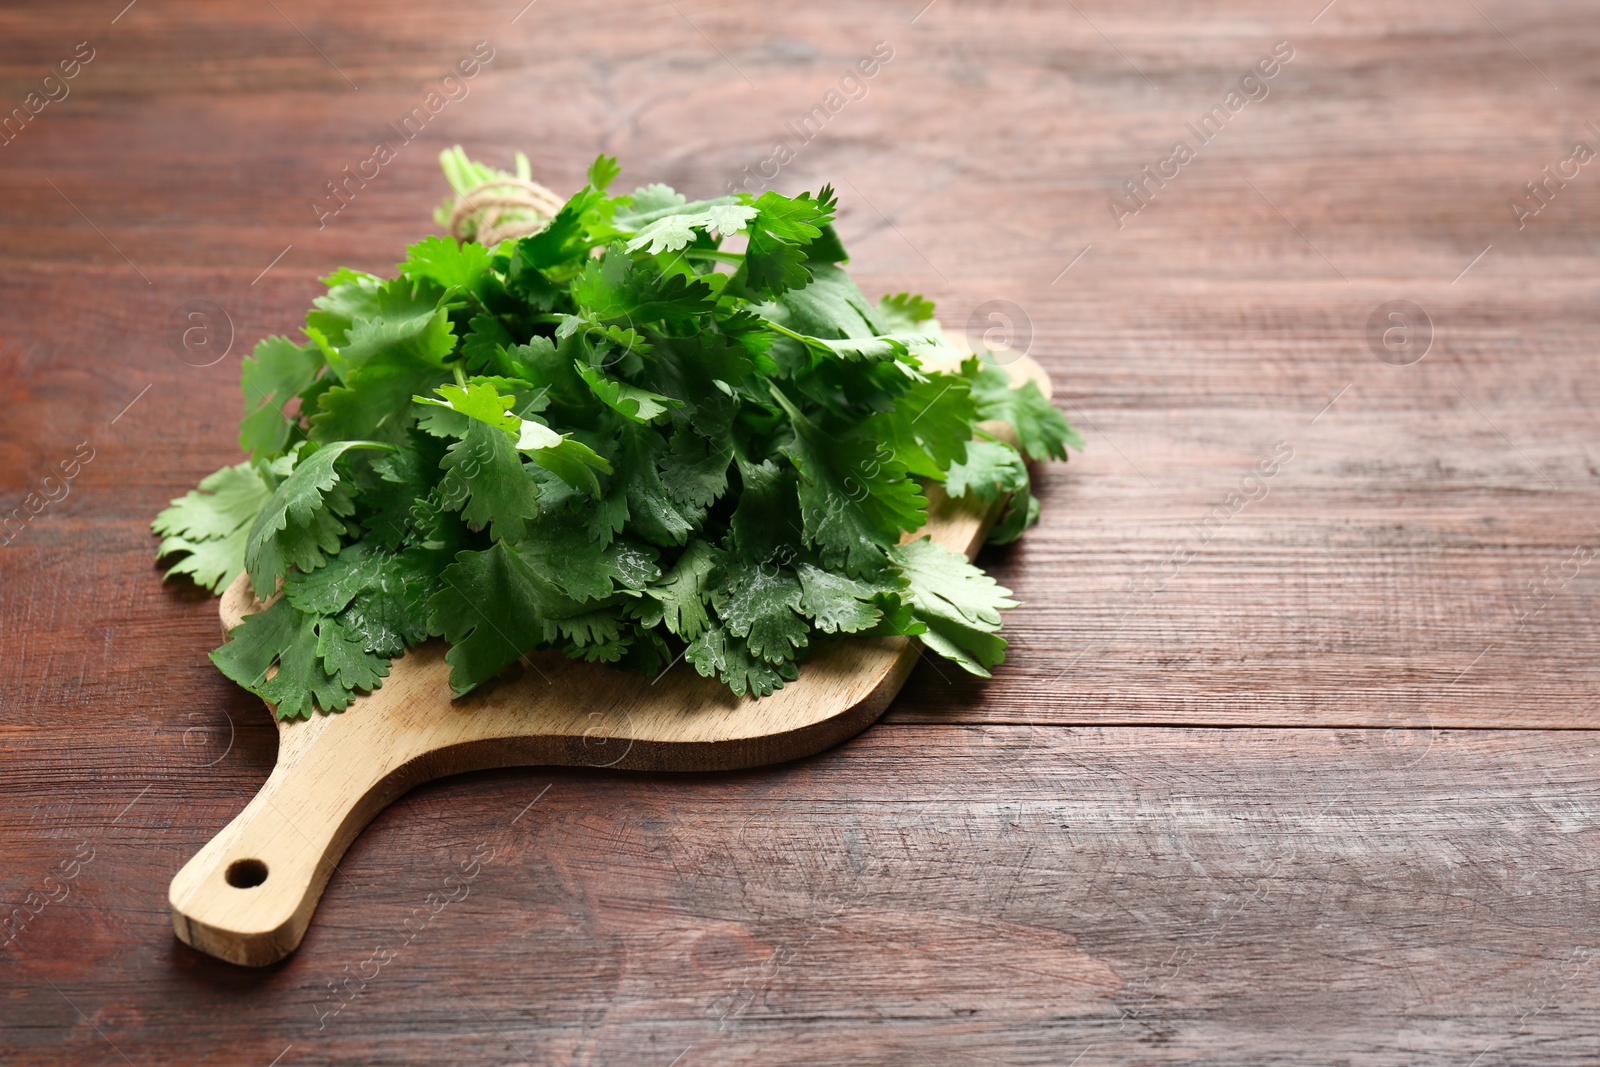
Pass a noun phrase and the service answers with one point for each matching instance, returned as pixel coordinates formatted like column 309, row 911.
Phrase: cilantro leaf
column 616, row 438
column 904, row 311
column 563, row 555
column 1021, row 512
column 485, row 481
column 562, row 239
column 407, row 319
column 992, row 468
column 629, row 401
column 680, row 595
column 404, row 479
column 703, row 374
column 210, row 525
column 957, row 602
column 775, row 257
column 1041, row 429
column 838, row 604
column 274, row 374
column 492, row 608
column 695, row 470
column 855, row 496
column 603, row 171
column 671, row 232
column 212, row 562
column 344, row 656
column 766, row 524
column 303, row 520
column 374, row 403
column 274, row 655
column 487, row 347
column 718, row 653
column 389, row 609
column 830, row 305
column 451, row 265
column 570, row 460
column 477, row 400
column 869, row 349
column 643, row 499
column 650, row 199
column 761, row 603
column 352, row 296
column 328, row 590
column 562, row 455
column 614, row 288
column 929, row 426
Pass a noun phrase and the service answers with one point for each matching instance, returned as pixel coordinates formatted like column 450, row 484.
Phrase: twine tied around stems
column 503, row 208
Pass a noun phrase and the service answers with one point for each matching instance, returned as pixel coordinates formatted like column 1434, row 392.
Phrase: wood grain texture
column 947, row 888
column 923, row 894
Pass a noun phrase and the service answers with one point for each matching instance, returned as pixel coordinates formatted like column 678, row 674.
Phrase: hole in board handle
column 246, row 874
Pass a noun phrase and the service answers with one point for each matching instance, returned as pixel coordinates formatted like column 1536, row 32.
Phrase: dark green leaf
column 855, row 496
column 303, row 520
column 761, row 603
column 718, row 653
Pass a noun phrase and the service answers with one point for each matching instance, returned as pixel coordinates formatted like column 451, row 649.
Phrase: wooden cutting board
column 248, row 895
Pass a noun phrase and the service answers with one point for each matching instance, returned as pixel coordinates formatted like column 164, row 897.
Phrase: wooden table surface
column 1287, row 768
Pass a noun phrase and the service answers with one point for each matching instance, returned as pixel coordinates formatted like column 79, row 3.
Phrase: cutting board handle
column 248, row 895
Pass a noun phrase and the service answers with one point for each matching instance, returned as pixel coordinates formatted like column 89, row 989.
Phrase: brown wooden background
column 1322, row 796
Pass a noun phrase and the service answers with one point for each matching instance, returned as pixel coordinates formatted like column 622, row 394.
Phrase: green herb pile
column 617, row 438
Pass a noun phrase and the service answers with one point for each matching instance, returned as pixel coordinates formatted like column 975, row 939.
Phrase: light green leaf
column 672, row 232
column 958, row 603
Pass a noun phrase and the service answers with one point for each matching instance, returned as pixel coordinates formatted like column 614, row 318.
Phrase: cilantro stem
column 461, row 375
column 802, row 338
column 713, row 253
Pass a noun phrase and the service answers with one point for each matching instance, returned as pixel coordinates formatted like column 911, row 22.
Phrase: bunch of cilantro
column 616, row 438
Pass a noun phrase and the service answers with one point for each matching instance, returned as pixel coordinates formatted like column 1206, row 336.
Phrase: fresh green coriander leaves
column 653, row 429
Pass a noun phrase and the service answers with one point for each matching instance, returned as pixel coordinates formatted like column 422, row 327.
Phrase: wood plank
column 925, row 893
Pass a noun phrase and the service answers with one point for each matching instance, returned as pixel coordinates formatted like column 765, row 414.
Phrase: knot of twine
column 501, row 209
